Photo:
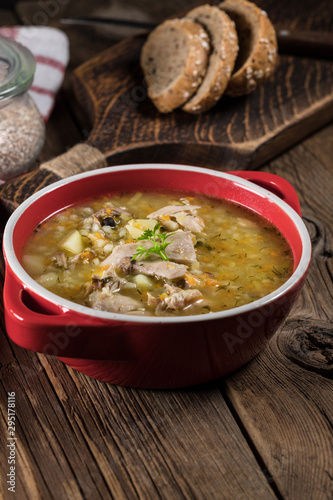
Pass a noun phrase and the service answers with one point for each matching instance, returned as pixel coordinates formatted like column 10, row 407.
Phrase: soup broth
column 163, row 254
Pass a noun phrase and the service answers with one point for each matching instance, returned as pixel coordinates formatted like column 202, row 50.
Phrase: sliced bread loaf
column 257, row 55
column 174, row 60
column 223, row 39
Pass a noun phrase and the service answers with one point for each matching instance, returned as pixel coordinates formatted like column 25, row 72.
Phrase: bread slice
column 257, row 55
column 223, row 38
column 174, row 59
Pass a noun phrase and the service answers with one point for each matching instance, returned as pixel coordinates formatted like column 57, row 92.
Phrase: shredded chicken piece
column 109, row 211
column 185, row 215
column 175, row 298
column 60, row 260
column 181, row 250
column 160, row 269
column 173, row 209
column 104, row 300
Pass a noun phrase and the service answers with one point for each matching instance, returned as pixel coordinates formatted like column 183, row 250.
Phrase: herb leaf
column 159, row 244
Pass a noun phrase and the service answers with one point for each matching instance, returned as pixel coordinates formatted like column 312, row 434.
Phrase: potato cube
column 72, row 242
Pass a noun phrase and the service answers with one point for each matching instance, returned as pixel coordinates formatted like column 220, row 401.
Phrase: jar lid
column 17, row 68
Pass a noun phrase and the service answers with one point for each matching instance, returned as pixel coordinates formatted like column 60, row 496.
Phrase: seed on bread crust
column 224, row 42
column 174, row 59
column 257, row 55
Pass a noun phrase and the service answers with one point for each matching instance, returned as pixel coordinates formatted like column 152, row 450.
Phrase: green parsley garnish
column 159, row 244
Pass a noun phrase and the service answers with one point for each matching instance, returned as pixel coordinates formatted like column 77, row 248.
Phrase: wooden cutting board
column 238, row 133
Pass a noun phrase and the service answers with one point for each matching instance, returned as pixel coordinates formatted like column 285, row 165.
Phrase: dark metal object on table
column 316, row 44
column 306, row 43
column 90, row 21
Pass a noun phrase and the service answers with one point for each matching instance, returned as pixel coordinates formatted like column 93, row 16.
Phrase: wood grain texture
column 287, row 409
column 264, row 432
column 238, row 133
column 86, row 439
column 309, row 344
column 287, row 414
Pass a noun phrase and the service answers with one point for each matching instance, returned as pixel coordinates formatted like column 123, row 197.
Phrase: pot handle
column 63, row 333
column 273, row 183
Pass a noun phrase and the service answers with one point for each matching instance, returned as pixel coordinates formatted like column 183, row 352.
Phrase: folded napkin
column 50, row 47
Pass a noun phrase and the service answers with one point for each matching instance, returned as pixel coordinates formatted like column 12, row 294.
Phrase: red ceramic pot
column 151, row 352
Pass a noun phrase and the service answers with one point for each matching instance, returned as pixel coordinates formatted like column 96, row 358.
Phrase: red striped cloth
column 50, row 47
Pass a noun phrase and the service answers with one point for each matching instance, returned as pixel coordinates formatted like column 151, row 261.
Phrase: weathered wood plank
column 238, row 133
column 287, row 408
column 62, row 131
column 286, row 411
column 265, row 432
column 78, row 437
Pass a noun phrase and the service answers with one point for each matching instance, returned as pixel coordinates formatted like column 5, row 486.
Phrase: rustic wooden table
column 262, row 433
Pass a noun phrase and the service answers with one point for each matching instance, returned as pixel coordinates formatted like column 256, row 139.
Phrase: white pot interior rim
column 66, row 305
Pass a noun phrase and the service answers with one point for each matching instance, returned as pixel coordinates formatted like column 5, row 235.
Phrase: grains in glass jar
column 22, row 130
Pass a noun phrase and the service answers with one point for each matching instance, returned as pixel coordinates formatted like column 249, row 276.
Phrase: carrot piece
column 86, row 255
column 211, row 282
column 190, row 279
column 101, row 268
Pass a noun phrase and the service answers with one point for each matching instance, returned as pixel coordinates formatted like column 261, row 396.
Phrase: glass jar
column 22, row 129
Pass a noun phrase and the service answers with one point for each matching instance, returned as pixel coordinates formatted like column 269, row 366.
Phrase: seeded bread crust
column 174, row 60
column 257, row 55
column 224, row 42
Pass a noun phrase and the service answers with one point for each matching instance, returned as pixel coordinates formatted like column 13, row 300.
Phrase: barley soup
column 162, row 254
